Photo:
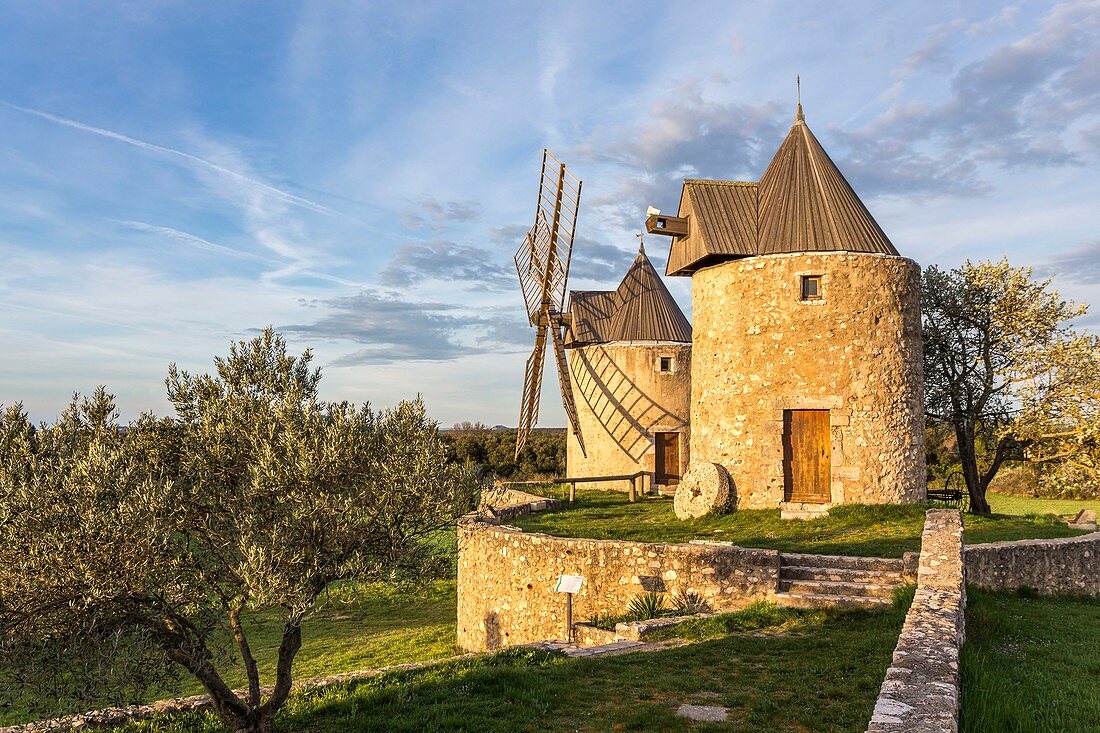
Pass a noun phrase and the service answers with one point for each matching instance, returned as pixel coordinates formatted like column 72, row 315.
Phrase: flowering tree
column 1005, row 369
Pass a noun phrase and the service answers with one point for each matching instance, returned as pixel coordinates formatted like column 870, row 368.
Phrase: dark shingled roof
column 640, row 309
column 801, row 204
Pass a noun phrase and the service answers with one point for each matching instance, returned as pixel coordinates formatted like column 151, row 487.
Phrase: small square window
column 666, row 364
column 811, row 287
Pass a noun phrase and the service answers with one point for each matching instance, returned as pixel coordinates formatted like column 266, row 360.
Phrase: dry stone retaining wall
column 921, row 691
column 510, row 503
column 1063, row 565
column 506, row 580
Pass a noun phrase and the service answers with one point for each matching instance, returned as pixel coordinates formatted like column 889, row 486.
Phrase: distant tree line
column 543, row 456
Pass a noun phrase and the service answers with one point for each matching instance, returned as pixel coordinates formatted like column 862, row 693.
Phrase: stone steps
column 803, row 511
column 814, row 600
column 837, row 588
column 841, row 575
column 840, row 561
column 837, row 581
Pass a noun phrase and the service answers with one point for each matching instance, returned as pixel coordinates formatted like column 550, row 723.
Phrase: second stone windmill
column 626, row 383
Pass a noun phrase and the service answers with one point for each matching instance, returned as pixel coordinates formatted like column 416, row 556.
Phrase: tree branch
column 246, row 656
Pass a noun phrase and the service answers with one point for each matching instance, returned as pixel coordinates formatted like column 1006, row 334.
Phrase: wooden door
column 806, row 456
column 666, row 464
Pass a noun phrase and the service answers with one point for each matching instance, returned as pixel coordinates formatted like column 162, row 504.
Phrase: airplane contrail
column 153, row 147
column 298, row 267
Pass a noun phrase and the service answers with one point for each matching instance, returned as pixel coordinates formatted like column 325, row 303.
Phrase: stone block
column 704, row 489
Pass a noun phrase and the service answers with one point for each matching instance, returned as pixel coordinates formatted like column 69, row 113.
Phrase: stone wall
column 622, row 400
column 507, row 503
column 506, row 580
column 921, row 691
column 1064, row 565
column 759, row 349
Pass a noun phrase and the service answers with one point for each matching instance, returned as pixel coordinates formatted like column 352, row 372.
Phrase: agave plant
column 645, row 606
column 688, row 602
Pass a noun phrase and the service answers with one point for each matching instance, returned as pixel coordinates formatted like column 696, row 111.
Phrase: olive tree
column 131, row 552
column 1004, row 367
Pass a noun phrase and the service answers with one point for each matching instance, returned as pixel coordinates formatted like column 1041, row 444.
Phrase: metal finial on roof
column 798, row 116
column 641, row 242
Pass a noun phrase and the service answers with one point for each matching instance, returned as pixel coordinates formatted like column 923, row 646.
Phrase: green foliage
column 688, row 602
column 941, row 455
column 753, row 617
column 1030, row 663
column 903, row 596
column 1007, row 373
column 151, row 543
column 543, row 456
column 354, row 626
column 645, row 606
column 1026, row 505
column 605, row 621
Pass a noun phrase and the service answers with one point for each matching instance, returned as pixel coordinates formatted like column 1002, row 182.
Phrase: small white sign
column 568, row 584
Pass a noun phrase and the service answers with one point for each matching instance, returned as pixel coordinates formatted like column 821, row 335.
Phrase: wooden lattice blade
column 532, row 390
column 567, row 400
column 542, row 259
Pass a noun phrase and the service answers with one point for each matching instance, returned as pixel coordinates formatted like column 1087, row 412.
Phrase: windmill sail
column 542, row 265
column 567, row 400
column 532, row 390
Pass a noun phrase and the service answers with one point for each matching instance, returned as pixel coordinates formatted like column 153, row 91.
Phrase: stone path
column 703, row 713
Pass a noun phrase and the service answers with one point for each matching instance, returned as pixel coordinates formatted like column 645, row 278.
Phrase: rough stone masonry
column 921, row 691
column 759, row 350
column 506, row 579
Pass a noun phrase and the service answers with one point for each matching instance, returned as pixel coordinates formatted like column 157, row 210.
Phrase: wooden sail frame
column 542, row 265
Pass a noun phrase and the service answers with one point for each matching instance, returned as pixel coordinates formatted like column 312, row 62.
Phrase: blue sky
column 174, row 175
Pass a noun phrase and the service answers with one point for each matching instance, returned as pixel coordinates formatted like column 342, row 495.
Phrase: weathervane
column 641, row 241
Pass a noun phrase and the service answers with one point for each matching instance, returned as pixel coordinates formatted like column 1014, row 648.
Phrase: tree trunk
column 964, row 433
column 257, row 723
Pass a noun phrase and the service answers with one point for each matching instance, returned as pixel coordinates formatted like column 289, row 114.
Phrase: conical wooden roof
column 802, row 204
column 806, row 205
column 640, row 309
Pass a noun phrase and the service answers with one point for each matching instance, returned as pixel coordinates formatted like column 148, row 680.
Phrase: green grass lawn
column 1031, row 665
column 362, row 627
column 884, row 531
column 1022, row 505
column 780, row 670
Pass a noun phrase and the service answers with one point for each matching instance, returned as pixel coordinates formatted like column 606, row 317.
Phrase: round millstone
column 705, row 488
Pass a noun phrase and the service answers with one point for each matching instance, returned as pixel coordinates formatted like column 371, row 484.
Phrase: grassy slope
column 777, row 669
column 1031, row 665
column 361, row 628
column 886, row 531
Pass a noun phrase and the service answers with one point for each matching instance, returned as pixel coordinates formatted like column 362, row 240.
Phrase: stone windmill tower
column 807, row 382
column 630, row 366
column 623, row 356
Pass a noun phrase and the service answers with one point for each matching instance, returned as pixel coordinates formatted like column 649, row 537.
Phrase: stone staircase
column 812, row 581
